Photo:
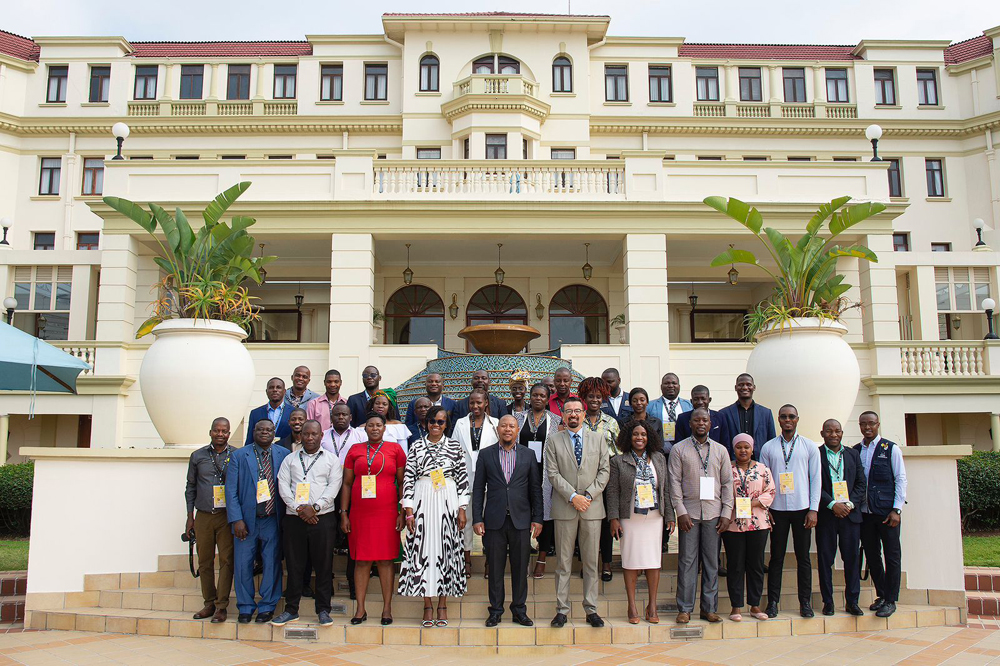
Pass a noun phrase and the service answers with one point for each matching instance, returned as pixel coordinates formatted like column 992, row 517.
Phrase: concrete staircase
column 982, row 587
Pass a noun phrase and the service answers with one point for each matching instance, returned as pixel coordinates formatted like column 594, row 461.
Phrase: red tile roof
column 767, row 51
column 219, row 49
column 970, row 49
column 18, row 46
column 499, row 14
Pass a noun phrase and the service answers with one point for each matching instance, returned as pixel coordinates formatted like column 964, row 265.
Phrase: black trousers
column 801, row 538
column 305, row 542
column 831, row 531
column 745, row 560
column 547, row 537
column 606, row 541
column 878, row 538
column 508, row 541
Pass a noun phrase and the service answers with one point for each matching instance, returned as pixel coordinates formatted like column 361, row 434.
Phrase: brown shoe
column 207, row 611
column 220, row 616
column 711, row 617
column 683, row 618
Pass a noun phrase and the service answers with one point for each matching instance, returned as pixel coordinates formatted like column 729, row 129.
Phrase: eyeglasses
column 572, row 411
column 438, row 422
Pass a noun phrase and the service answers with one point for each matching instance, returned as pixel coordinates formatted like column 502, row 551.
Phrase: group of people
column 321, row 474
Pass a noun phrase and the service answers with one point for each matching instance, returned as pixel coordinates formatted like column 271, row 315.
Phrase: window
column 900, row 242
column 754, row 158
column 56, row 90
column 429, row 69
column 710, row 158
column 48, row 181
column 562, row 75
column 940, row 247
column 616, row 83
column 284, row 81
column 722, row 325
column 414, row 315
column 331, row 83
column 707, row 80
column 43, row 300
column 507, row 65
column 44, row 240
column 927, row 91
column 238, row 86
column 895, row 177
column 577, row 315
column 659, row 83
column 428, row 153
column 836, row 86
column 956, row 287
column 280, row 157
column 750, row 90
column 185, row 157
column 465, row 148
column 140, row 157
column 495, row 304
column 799, row 158
column 145, row 81
column 795, row 83
column 935, row 178
column 564, row 153
column 524, row 149
column 845, row 159
column 376, row 82
column 885, row 87
column 93, row 175
column 483, row 65
column 496, row 146
column 277, row 325
column 192, row 80
column 100, row 83
column 233, row 157
column 88, row 240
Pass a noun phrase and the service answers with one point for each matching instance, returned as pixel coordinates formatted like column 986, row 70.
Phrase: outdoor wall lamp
column 10, row 304
column 873, row 133
column 453, row 308
column 6, row 223
column 121, row 132
column 734, row 275
column 977, row 224
column 299, row 298
column 498, row 273
column 588, row 270
column 989, row 305
column 539, row 308
column 407, row 274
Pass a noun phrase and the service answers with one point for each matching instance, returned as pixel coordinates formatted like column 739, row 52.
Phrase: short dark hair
column 220, row 418
column 612, row 370
column 562, row 368
column 340, row 404
column 331, row 372
column 435, row 409
column 297, row 409
column 273, row 378
column 701, row 388
column 573, row 398
column 788, row 404
column 744, row 374
column 654, row 443
column 638, row 389
column 374, row 415
column 318, row 424
column 866, row 412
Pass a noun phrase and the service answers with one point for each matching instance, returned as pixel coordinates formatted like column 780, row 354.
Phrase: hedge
column 16, row 483
column 979, row 490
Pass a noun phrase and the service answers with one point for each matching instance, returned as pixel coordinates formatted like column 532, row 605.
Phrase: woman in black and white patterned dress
column 435, row 498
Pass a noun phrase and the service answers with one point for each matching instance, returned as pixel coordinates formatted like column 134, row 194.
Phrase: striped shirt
column 507, row 458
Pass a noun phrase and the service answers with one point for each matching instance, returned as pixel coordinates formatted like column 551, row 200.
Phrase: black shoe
column 353, row 593
column 493, row 620
column 606, row 576
column 559, row 620
column 551, row 552
column 887, row 609
column 523, row 620
column 533, row 551
column 772, row 609
column 879, row 602
column 307, row 592
column 386, row 621
column 854, row 609
column 723, row 572
column 265, row 617
column 805, row 610
column 828, row 609
column 594, row 620
column 359, row 620
column 665, row 546
column 245, row 618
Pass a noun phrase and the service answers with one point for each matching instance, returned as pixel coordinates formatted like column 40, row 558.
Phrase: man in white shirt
column 308, row 482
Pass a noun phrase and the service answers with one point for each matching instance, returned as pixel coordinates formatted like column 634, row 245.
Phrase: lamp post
column 10, row 304
column 873, row 133
column 121, row 132
column 6, row 223
column 989, row 305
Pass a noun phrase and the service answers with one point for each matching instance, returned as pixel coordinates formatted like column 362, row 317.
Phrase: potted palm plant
column 199, row 319
column 618, row 323
column 801, row 356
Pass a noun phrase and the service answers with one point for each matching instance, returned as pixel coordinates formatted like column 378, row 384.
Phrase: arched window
column 483, row 65
column 562, row 75
column 414, row 315
column 495, row 304
column 496, row 64
column 429, row 67
column 577, row 315
column 508, row 65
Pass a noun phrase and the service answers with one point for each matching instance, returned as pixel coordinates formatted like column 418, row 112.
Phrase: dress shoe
column 606, row 576
column 523, row 620
column 828, row 609
column 772, row 609
column 264, row 617
column 559, row 620
column 683, row 618
column 386, row 621
column 887, row 609
column 324, row 619
column 723, row 572
column 854, row 609
column 359, row 620
column 493, row 620
column 206, row 612
column 220, row 616
column 594, row 620
column 258, row 567
column 711, row 617
column 878, row 603
column 806, row 610
column 245, row 618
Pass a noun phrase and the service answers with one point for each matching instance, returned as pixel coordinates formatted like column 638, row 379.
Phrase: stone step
column 983, row 603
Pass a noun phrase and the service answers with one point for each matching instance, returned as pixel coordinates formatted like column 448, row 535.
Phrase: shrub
column 979, row 490
column 16, row 482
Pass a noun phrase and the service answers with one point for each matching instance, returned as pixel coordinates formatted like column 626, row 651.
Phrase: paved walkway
column 931, row 645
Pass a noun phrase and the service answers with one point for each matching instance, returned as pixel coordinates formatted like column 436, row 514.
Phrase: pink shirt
column 318, row 409
column 756, row 484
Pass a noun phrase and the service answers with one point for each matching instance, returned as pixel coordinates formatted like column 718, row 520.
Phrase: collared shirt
column 321, row 409
column 325, row 473
column 898, row 470
column 804, row 465
column 616, row 401
column 678, row 409
column 836, row 461
column 300, row 401
column 607, row 428
column 684, row 479
column 336, row 443
column 507, row 459
column 203, row 473
column 556, row 403
column 746, row 418
column 261, row 455
column 274, row 413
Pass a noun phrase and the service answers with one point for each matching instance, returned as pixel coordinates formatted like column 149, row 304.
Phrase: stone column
column 258, row 98
column 80, row 302
column 880, row 316
column 4, row 432
column 645, row 269
column 926, row 315
column 212, row 101
column 775, row 92
column 819, row 90
column 352, row 300
column 732, row 88
column 167, row 93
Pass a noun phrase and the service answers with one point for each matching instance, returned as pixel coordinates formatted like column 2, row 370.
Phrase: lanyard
column 277, row 413
column 370, row 457
column 302, row 461
column 840, row 463
column 476, row 434
column 337, row 448
column 256, row 454
column 533, row 427
column 215, row 463
column 744, row 478
column 787, row 455
column 595, row 426
column 704, row 461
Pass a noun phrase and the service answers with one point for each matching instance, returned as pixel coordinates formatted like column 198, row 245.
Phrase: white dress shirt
column 324, row 478
column 338, row 444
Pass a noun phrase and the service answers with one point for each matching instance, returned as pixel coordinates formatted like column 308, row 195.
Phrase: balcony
column 495, row 84
column 190, row 108
column 786, row 110
column 495, row 92
column 944, row 359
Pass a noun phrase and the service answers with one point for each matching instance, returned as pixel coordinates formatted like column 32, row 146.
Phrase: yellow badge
column 437, row 479
column 302, row 493
column 743, row 507
column 219, row 497
column 263, row 491
column 669, row 428
column 787, row 480
column 368, row 486
column 840, row 492
column 644, row 491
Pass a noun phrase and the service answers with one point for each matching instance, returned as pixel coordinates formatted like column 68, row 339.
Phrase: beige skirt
column 642, row 541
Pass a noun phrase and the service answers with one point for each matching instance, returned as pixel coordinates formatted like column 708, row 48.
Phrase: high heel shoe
column 359, row 620
column 386, row 621
column 428, row 622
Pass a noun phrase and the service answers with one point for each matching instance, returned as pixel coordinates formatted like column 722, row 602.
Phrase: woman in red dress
column 370, row 512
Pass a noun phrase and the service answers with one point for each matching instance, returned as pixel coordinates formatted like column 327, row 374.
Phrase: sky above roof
column 763, row 21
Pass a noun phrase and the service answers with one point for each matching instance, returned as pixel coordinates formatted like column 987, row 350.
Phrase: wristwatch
column 316, row 508
column 898, row 511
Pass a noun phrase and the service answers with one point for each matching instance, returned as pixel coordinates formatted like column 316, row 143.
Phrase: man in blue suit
column 700, row 399
column 617, row 405
column 434, row 388
column 668, row 407
column 254, row 509
column 746, row 416
column 370, row 378
column 276, row 411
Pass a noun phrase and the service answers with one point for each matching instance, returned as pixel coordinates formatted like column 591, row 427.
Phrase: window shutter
column 22, row 274
column 941, row 275
column 43, row 274
column 64, row 274
column 981, row 274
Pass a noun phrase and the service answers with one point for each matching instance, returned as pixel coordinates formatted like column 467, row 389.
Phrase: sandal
column 539, row 573
column 441, row 621
column 468, row 565
column 427, row 622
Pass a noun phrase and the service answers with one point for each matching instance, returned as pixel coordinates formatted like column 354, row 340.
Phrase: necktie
column 578, row 448
column 672, row 411
column 266, row 469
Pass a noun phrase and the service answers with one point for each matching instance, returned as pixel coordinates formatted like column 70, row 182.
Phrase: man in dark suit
column 276, row 411
column 701, row 398
column 507, row 512
column 617, row 405
column 358, row 402
column 480, row 380
column 434, row 388
column 746, row 416
column 842, row 496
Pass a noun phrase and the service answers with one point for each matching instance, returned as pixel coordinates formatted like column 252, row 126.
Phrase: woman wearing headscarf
column 384, row 403
column 519, row 381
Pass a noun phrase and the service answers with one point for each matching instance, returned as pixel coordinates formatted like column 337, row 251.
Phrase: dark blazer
column 357, row 404
column 624, row 413
column 498, row 408
column 411, row 413
column 854, row 474
column 522, row 497
column 241, row 485
column 763, row 427
column 618, row 495
column 683, row 427
column 281, row 429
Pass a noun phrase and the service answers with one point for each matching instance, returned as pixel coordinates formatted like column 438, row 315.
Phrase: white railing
column 187, row 109
column 798, row 111
column 709, row 110
column 496, row 84
column 841, row 111
column 753, row 111
column 143, row 109
column 942, row 359
column 235, row 108
column 281, row 108
column 86, row 353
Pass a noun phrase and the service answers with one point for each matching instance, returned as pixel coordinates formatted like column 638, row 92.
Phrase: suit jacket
column 656, row 408
column 463, row 433
column 589, row 477
column 624, row 412
column 763, row 427
column 411, row 414
column 241, row 485
column 619, row 495
column 498, row 408
column 281, row 428
column 683, row 427
column 357, row 403
column 521, row 497
column 857, row 488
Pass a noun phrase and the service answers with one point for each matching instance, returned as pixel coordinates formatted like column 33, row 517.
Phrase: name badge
column 263, row 491
column 302, row 493
column 437, row 479
column 707, row 488
column 644, row 493
column 219, row 497
column 368, row 486
column 743, row 507
column 787, row 481
column 840, row 492
column 669, row 428
column 536, row 448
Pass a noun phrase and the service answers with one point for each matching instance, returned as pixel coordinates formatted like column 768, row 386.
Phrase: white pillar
column 645, row 268
column 880, row 316
column 80, row 302
column 4, row 432
column 994, row 430
column 926, row 316
column 352, row 300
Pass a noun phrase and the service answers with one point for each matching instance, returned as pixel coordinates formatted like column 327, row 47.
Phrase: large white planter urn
column 195, row 371
column 807, row 364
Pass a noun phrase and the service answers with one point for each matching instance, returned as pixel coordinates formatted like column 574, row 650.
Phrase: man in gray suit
column 578, row 465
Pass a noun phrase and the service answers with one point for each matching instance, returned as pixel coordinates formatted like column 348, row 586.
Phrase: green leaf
column 241, row 222
column 743, row 213
column 169, row 226
column 215, row 210
column 734, row 256
column 147, row 327
column 852, row 215
column 859, row 251
column 132, row 211
column 824, row 212
column 184, row 229
column 782, row 247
